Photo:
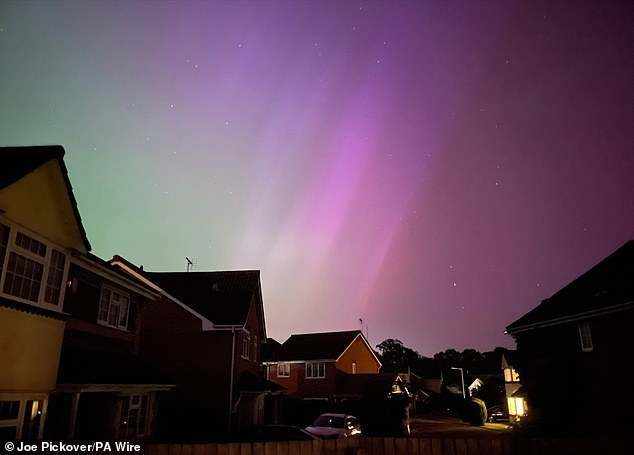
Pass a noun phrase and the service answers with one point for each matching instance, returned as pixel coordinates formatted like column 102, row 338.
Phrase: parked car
column 334, row 426
column 497, row 414
column 266, row 433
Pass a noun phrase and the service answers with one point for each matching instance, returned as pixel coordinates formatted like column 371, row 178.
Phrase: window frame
column 511, row 375
column 113, row 291
column 246, row 345
column 312, row 374
column 585, row 336
column 22, row 422
column 54, row 273
column 285, row 369
column 143, row 415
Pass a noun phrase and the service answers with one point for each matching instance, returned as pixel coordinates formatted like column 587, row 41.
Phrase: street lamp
column 462, row 378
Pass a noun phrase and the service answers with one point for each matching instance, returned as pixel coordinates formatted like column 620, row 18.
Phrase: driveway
column 438, row 425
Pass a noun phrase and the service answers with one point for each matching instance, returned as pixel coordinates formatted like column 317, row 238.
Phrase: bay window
column 31, row 270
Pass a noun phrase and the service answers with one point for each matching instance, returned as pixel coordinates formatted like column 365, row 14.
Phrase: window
column 516, row 405
column 354, row 367
column 114, row 307
column 32, row 419
column 55, row 277
column 4, row 243
column 135, row 416
column 20, row 419
column 246, row 342
column 23, row 277
column 585, row 336
column 27, row 263
column 256, row 348
column 9, row 419
column 510, row 375
column 283, row 370
column 315, row 370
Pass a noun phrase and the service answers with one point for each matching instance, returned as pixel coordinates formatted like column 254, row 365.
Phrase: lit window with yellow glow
column 510, row 375
column 517, row 407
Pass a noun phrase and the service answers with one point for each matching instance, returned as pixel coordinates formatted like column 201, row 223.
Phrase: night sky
column 435, row 168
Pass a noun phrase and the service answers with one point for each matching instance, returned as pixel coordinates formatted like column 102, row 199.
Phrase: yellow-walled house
column 40, row 229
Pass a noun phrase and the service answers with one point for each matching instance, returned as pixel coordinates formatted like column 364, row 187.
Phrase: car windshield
column 329, row 421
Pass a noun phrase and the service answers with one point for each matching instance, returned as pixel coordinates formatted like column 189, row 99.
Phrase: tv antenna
column 191, row 265
column 366, row 328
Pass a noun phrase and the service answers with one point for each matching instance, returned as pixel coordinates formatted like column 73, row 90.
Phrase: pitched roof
column 316, row 346
column 17, row 162
column 510, row 358
column 606, row 287
column 115, row 273
column 224, row 298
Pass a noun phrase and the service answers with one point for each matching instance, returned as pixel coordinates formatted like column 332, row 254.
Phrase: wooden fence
column 403, row 446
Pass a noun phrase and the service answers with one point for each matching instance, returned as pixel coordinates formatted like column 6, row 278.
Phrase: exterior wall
column 98, row 414
column 574, row 390
column 50, row 214
column 290, row 383
column 299, row 386
column 82, row 304
column 31, row 332
column 29, row 363
column 197, row 362
column 358, row 354
column 249, row 406
column 252, row 363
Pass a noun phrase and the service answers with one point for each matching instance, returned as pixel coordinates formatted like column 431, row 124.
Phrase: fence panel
column 398, row 446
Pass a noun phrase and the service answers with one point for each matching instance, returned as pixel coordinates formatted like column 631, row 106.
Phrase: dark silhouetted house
column 40, row 230
column 206, row 333
column 311, row 366
column 572, row 347
column 105, row 391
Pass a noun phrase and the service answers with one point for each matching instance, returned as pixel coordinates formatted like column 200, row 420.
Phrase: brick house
column 313, row 365
column 206, row 332
column 105, row 391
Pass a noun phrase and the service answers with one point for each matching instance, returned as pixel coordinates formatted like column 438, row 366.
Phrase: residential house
column 105, row 391
column 572, row 347
column 206, row 332
column 312, row 365
column 40, row 229
column 513, row 390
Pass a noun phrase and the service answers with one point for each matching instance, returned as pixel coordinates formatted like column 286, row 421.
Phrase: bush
column 474, row 412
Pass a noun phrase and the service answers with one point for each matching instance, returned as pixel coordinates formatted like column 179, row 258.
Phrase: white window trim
column 18, row 422
column 45, row 261
column 106, row 323
column 285, row 369
column 138, row 433
column 312, row 366
column 246, row 345
column 585, row 336
column 256, row 348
